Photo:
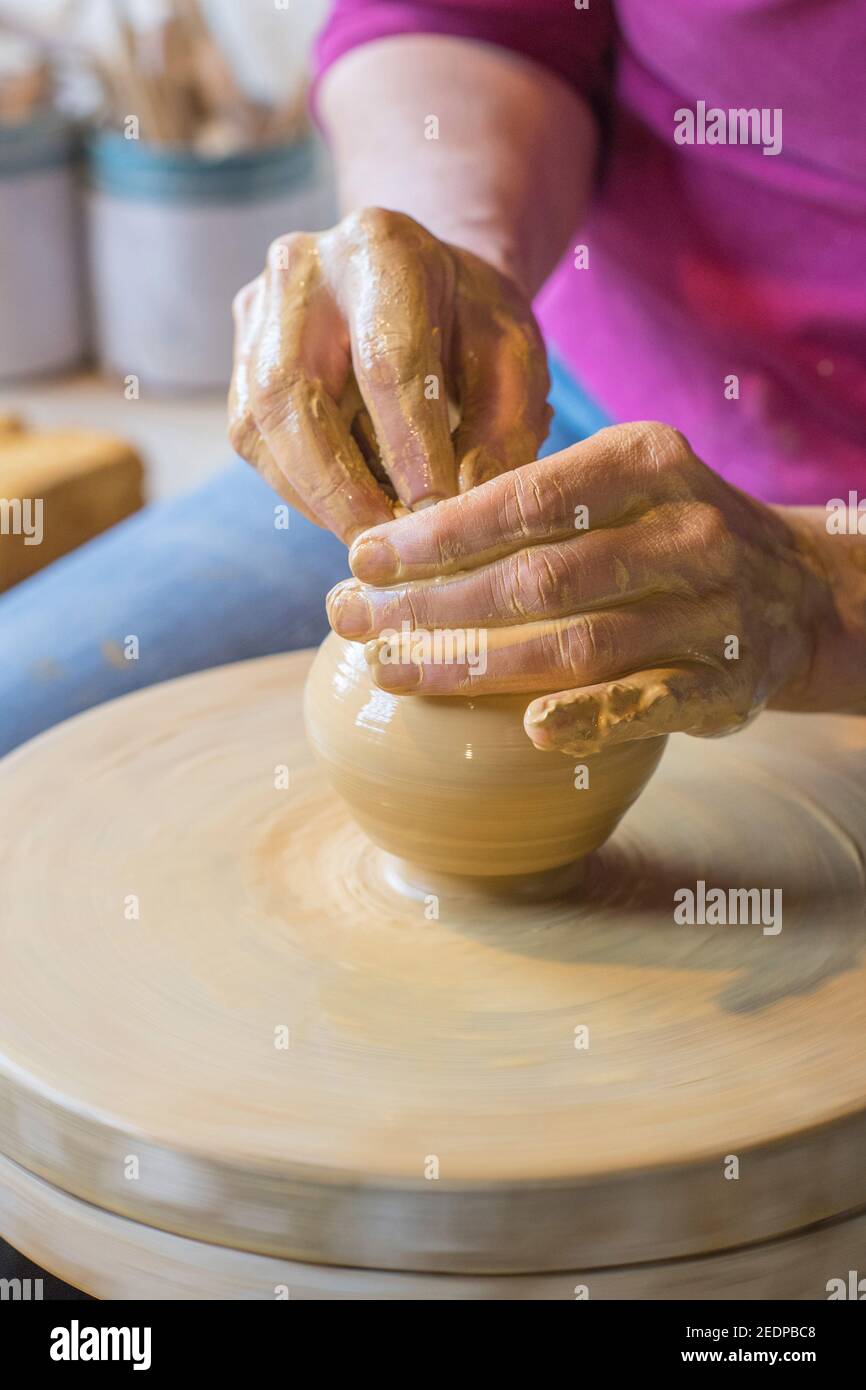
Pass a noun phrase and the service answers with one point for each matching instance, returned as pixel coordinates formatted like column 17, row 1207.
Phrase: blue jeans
column 199, row 581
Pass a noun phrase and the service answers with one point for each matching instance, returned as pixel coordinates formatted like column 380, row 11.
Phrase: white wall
column 268, row 46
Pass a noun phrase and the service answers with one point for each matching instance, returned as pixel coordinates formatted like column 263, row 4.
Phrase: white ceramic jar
column 174, row 236
column 42, row 318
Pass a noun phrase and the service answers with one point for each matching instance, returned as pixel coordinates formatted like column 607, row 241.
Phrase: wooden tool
column 172, row 75
column 232, row 1058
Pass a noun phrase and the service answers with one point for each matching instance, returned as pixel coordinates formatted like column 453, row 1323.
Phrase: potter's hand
column 622, row 574
column 346, row 351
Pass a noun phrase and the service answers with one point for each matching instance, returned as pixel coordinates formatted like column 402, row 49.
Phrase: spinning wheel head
column 285, row 1046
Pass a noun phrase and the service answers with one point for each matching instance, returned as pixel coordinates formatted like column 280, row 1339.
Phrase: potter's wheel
column 412, row 1042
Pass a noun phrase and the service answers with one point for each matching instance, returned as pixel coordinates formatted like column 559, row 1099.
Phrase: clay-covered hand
column 347, row 349
column 621, row 574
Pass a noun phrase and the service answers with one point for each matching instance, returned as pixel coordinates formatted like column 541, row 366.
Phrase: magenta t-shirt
column 722, row 289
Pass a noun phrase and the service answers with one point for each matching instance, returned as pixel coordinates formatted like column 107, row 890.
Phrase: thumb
column 694, row 699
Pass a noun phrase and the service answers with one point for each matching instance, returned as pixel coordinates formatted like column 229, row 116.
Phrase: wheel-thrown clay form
column 453, row 785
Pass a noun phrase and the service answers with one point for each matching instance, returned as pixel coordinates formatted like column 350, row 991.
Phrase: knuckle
column 662, row 446
column 578, row 647
column 711, row 531
column 266, row 390
column 524, row 501
column 283, row 250
column 581, row 645
column 548, row 580
column 445, row 526
column 389, row 357
column 243, row 299
column 376, row 224
column 373, row 221
column 273, row 390
column 243, row 434
column 556, row 491
column 507, row 590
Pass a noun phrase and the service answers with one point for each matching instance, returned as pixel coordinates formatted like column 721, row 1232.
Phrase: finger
column 602, row 568
column 564, row 653
column 244, row 434
column 394, row 303
column 299, row 369
column 612, row 477
column 500, row 368
column 702, row 700
column 357, row 417
column 364, row 434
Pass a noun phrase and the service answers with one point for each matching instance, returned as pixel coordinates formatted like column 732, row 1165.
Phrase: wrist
column 481, row 234
column 496, row 249
column 832, row 614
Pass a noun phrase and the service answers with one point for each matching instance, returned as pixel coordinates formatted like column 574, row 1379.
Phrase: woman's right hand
column 347, row 350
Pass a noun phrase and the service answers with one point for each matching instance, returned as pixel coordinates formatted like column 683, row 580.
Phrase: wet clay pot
column 454, row 785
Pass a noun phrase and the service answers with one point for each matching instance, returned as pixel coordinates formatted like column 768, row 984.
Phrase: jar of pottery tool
column 173, row 235
column 42, row 321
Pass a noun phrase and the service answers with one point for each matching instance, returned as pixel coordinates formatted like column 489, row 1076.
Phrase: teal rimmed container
column 174, row 235
column 42, row 315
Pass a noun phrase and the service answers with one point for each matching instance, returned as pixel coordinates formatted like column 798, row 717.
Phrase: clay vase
column 453, row 786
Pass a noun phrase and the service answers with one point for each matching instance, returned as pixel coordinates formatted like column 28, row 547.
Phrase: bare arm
column 836, row 678
column 510, row 169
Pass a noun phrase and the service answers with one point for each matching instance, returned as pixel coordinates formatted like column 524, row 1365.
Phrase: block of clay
column 57, row 490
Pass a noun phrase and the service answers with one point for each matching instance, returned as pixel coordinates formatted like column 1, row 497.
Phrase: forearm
column 510, row 170
column 836, row 679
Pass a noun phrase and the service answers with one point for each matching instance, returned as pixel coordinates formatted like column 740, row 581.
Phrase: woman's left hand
column 622, row 575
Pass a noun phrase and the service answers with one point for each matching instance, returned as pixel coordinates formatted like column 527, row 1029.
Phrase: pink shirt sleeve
column 574, row 43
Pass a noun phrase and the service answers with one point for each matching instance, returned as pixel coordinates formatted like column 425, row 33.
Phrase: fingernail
column 540, row 738
column 374, row 560
column 388, row 670
column 424, row 502
column 349, row 612
column 404, row 675
column 538, row 711
column 535, row 725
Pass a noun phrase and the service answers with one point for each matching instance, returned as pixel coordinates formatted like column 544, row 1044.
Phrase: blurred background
column 149, row 152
